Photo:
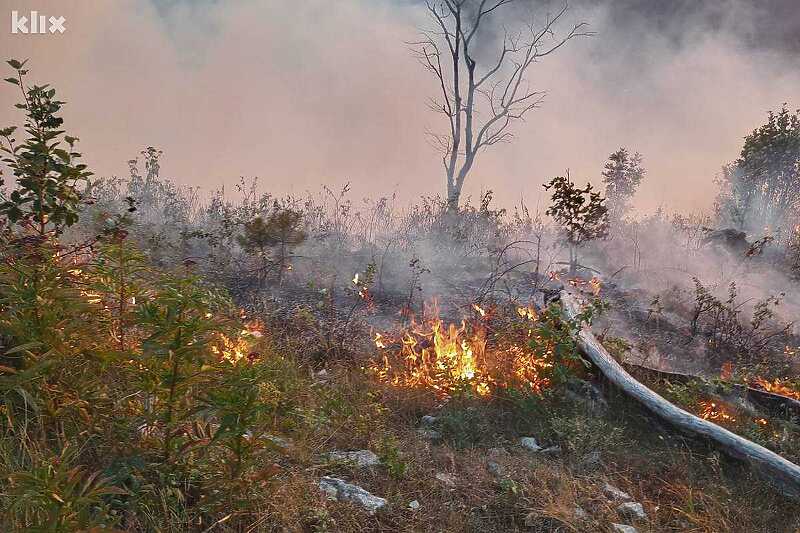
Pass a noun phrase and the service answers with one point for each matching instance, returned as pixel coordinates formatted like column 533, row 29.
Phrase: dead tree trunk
column 782, row 473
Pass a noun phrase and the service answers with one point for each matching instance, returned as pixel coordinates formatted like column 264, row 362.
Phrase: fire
column 528, row 313
column 778, row 387
column 447, row 357
column 234, row 350
column 594, row 285
column 715, row 412
column 480, row 310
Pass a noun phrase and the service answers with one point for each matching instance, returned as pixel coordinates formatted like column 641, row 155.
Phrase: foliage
column 761, row 188
column 47, row 194
column 272, row 239
column 622, row 175
column 580, row 212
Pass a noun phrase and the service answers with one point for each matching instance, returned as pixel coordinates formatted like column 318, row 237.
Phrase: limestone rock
column 530, row 444
column 359, row 458
column 632, row 510
column 339, row 490
column 615, row 494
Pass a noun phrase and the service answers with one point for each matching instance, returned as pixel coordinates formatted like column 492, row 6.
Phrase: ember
column 715, row 412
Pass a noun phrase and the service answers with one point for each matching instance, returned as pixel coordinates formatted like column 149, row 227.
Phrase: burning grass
column 475, row 355
column 778, row 386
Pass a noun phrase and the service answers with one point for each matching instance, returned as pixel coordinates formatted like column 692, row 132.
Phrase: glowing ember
column 778, row 386
column 446, row 358
column 480, row 310
column 715, row 412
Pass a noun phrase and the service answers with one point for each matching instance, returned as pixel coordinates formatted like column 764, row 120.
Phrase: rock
column 615, row 494
column 551, row 450
column 322, row 377
column 339, row 490
column 414, row 505
column 495, row 469
column 279, row 442
column 448, row 479
column 497, row 452
column 623, row 528
column 429, row 434
column 429, row 420
column 530, row 444
column 360, row 458
column 632, row 510
column 580, row 514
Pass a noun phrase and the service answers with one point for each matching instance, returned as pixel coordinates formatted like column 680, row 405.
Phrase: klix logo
column 34, row 22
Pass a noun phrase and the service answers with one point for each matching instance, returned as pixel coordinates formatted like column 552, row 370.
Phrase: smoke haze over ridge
column 318, row 92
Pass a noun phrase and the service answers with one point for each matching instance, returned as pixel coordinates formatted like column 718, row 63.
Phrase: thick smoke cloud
column 317, row 92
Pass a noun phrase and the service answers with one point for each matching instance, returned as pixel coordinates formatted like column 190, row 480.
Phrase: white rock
column 447, row 479
column 280, row 442
column 414, row 505
column 623, row 528
column 615, row 494
column 551, row 450
column 633, row 510
column 322, row 377
column 580, row 514
column 529, row 443
column 339, row 490
column 360, row 458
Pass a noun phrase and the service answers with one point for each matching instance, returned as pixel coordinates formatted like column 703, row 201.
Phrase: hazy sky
column 309, row 92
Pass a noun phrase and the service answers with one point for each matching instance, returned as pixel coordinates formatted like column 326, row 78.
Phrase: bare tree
column 481, row 96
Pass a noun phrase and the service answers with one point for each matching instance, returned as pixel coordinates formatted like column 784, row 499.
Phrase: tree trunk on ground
column 782, row 473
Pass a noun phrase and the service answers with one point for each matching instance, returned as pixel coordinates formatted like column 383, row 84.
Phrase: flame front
column 778, row 387
column 445, row 358
column 241, row 347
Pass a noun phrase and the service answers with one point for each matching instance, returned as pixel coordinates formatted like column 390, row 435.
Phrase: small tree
column 622, row 175
column 47, row 195
column 580, row 212
column 273, row 239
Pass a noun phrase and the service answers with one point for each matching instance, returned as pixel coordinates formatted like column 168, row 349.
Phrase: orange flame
column 778, row 387
column 234, row 350
column 445, row 358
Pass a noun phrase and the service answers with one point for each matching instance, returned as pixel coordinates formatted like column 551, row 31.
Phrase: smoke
column 315, row 92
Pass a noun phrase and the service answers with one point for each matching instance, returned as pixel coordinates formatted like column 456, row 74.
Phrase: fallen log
column 776, row 404
column 782, row 473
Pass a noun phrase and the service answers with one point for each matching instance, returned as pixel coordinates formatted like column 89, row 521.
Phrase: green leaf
column 15, row 81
